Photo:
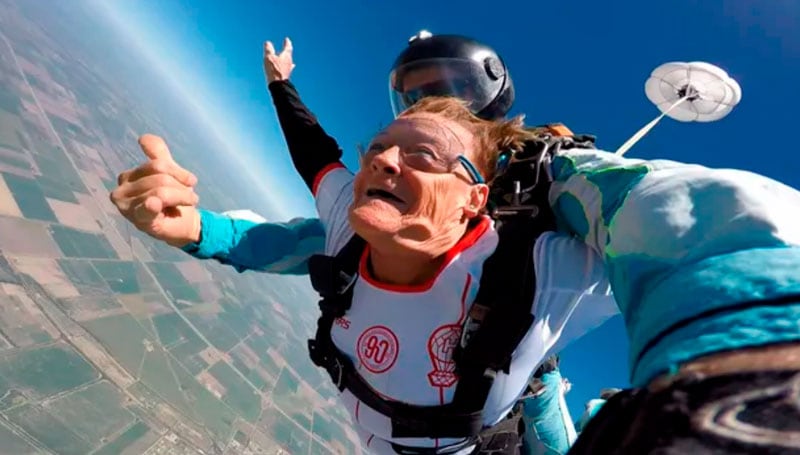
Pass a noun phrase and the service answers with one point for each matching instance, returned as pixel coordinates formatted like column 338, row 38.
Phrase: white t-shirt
column 400, row 338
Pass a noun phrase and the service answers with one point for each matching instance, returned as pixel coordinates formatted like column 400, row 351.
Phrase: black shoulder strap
column 333, row 278
column 502, row 309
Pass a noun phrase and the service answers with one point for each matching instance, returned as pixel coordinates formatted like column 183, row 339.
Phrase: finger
column 169, row 170
column 147, row 211
column 269, row 49
column 173, row 197
column 154, row 147
column 146, row 207
column 287, row 45
column 146, row 185
column 124, row 176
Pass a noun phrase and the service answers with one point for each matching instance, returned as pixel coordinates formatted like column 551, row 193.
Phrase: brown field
column 209, row 291
column 57, row 105
column 27, row 173
column 8, row 205
column 194, row 271
column 33, row 69
column 212, row 355
column 49, row 274
column 120, row 244
column 85, row 309
column 88, row 203
column 93, row 156
column 211, row 384
column 144, row 304
column 21, row 237
column 98, row 191
column 74, row 215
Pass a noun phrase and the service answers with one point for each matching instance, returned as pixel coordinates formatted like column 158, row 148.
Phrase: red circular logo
column 377, row 349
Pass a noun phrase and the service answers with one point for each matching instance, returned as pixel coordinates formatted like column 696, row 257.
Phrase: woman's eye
column 424, row 152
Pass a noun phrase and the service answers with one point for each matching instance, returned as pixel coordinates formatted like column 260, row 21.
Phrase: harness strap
column 504, row 438
column 333, row 278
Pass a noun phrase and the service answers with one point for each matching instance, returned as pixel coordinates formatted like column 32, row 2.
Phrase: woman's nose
column 387, row 161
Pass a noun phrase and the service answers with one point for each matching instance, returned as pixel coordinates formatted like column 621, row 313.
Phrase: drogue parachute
column 688, row 92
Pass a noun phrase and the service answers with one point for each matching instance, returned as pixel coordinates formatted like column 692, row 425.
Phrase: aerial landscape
column 110, row 342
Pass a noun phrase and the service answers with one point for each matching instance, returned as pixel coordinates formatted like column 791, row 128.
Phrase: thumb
column 155, row 148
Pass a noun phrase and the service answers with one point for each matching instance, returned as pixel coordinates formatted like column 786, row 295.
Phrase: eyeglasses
column 425, row 160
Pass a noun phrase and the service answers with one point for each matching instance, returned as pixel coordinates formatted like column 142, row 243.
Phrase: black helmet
column 451, row 65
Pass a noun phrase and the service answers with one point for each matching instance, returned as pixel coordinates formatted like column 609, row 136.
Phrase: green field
column 286, row 397
column 31, row 370
column 9, row 101
column 252, row 375
column 288, row 434
column 318, row 449
column 77, row 244
column 9, row 130
column 94, row 413
column 123, row 338
column 239, row 394
column 172, row 328
column 329, row 431
column 30, row 198
column 125, row 440
column 13, row 444
column 238, row 318
column 214, row 413
column 216, row 331
column 157, row 374
column 184, row 344
column 54, row 188
column 120, row 276
column 84, row 276
column 50, row 431
column 57, row 170
column 260, row 345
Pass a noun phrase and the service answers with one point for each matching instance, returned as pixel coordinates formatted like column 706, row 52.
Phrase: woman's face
column 410, row 189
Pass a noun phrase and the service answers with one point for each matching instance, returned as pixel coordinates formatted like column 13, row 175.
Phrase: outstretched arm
column 684, row 245
column 313, row 152
column 245, row 241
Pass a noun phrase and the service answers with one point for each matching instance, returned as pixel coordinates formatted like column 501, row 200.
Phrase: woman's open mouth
column 383, row 194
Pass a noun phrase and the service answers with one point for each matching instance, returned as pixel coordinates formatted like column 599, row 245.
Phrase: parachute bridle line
column 646, row 129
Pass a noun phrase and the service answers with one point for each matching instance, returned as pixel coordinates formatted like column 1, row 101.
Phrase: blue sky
column 583, row 63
